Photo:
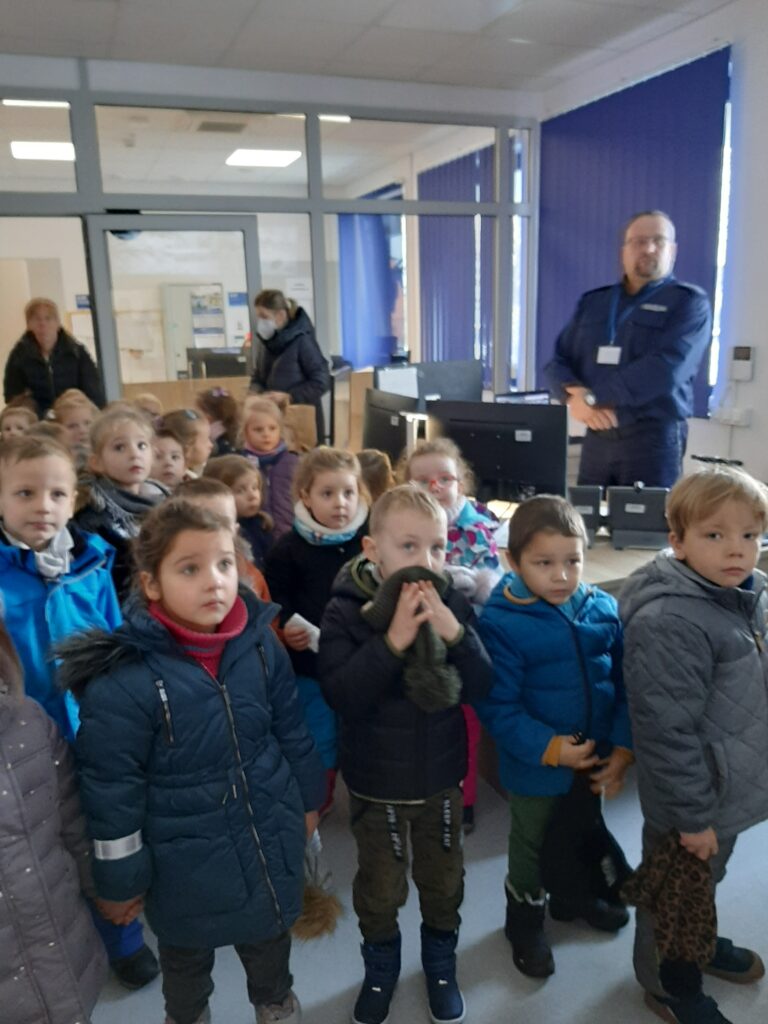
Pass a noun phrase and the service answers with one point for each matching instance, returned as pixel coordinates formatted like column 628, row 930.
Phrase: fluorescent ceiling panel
column 43, row 151
column 36, row 103
column 263, row 157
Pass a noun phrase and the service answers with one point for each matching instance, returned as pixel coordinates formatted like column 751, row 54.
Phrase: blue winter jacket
column 554, row 675
column 195, row 789
column 40, row 613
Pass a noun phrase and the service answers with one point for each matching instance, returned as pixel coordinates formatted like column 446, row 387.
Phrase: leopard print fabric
column 677, row 889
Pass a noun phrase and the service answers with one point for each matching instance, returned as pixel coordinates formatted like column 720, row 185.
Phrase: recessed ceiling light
column 336, row 118
column 36, row 103
column 523, row 42
column 43, row 151
column 263, row 157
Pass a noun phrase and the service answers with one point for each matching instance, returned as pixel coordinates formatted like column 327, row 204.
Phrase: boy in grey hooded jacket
column 696, row 674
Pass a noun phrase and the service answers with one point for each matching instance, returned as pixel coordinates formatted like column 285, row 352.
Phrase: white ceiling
column 507, row 44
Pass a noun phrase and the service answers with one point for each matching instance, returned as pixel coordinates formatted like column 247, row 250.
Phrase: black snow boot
column 524, row 928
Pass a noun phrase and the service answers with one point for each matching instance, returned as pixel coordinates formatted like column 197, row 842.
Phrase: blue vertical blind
column 456, row 264
column 657, row 145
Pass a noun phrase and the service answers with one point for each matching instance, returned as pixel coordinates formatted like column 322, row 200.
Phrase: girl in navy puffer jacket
column 198, row 775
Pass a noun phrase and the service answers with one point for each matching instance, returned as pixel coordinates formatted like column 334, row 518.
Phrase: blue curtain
column 447, row 264
column 656, row 145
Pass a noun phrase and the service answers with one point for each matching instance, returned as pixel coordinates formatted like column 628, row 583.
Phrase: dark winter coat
column 300, row 577
column 390, row 749
column 291, row 361
column 554, row 675
column 115, row 514
column 53, row 962
column 68, row 366
column 210, row 778
column 259, row 535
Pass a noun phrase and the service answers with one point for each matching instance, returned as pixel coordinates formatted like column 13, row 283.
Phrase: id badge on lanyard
column 610, row 354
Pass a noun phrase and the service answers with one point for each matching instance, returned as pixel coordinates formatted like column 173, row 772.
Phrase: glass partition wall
column 399, row 236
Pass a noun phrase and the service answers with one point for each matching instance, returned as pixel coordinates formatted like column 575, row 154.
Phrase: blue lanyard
column 614, row 320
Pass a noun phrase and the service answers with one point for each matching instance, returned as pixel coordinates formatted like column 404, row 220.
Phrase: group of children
column 208, row 723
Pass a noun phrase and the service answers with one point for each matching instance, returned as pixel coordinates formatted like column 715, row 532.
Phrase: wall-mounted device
column 741, row 362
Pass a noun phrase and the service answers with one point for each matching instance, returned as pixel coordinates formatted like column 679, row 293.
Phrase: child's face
column 197, row 580
column 332, row 498
column 37, row 499
column 551, row 566
column 168, row 463
column 125, row 457
column 247, row 493
column 14, row 425
column 724, row 547
column 77, row 423
column 261, row 432
column 221, row 505
column 437, row 474
column 198, row 451
column 407, row 538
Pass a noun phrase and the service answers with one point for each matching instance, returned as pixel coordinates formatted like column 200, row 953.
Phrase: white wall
column 744, row 25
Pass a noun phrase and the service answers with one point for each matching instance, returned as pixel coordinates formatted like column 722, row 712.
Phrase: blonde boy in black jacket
column 398, row 655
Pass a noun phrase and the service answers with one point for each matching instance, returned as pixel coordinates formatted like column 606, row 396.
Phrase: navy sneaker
column 734, row 963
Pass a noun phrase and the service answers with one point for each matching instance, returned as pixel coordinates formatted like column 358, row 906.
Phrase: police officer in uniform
column 626, row 362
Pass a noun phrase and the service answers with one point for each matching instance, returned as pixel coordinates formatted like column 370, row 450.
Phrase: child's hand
column 609, row 779
column 311, row 820
column 701, row 844
column 443, row 620
column 120, row 911
column 410, row 612
column 577, row 755
column 296, row 637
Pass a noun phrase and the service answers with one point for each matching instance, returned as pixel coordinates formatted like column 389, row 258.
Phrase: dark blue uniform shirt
column 663, row 332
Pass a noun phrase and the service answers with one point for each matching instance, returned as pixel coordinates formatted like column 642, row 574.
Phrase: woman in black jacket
column 46, row 360
column 287, row 356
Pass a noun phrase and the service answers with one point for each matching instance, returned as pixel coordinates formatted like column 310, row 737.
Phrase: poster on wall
column 208, row 325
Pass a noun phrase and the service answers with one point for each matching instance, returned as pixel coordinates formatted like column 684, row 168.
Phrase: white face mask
column 265, row 328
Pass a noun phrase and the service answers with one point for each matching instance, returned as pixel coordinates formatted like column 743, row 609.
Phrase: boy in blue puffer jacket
column 557, row 707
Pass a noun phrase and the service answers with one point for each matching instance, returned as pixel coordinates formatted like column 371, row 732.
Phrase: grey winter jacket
column 52, row 962
column 696, row 674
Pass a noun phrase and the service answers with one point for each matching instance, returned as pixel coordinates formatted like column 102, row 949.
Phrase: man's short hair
column 405, row 498
column 699, row 495
column 545, row 513
column 647, row 213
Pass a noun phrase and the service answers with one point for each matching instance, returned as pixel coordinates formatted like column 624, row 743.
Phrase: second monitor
column 515, row 451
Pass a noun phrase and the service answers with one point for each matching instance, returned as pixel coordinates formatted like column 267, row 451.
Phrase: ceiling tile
column 449, row 15
column 566, row 21
column 288, row 46
column 347, row 12
column 411, row 48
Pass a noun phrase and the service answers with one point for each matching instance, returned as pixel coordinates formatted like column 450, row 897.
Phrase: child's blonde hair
column 699, row 495
column 377, row 472
column 544, row 513
column 19, row 408
column 148, row 403
column 107, row 422
column 229, row 468
column 323, row 460
column 182, row 424
column 28, row 447
column 258, row 404
column 72, row 398
column 405, row 498
column 438, row 446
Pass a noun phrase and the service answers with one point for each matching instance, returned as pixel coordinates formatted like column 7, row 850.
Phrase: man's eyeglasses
column 642, row 242
column 442, row 481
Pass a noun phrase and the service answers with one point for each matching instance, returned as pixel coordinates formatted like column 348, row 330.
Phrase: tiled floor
column 593, row 983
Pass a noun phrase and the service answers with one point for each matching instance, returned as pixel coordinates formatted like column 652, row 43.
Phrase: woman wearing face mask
column 46, row 360
column 288, row 358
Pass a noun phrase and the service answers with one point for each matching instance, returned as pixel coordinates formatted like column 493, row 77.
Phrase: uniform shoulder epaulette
column 688, row 286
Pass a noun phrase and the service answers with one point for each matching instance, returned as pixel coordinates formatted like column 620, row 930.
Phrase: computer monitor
column 384, row 421
column 515, row 451
column 455, row 380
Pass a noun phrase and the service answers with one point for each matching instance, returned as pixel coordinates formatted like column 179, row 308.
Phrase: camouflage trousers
column 383, row 832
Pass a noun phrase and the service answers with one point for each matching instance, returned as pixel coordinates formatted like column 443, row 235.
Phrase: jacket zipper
column 584, row 674
column 246, row 794
column 166, row 710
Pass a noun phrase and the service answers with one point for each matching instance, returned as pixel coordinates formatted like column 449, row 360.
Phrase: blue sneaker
column 734, row 963
column 699, row 1009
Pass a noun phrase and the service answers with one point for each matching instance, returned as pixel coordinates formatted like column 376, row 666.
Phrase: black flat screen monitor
column 514, row 450
column 455, row 380
column 384, row 423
